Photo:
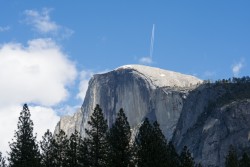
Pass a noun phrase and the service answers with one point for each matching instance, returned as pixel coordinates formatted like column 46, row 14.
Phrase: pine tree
column 97, row 139
column 231, row 158
column 186, row 159
column 24, row 149
column 83, row 155
column 61, row 147
column 160, row 145
column 151, row 146
column 244, row 161
column 48, row 148
column 173, row 157
column 119, row 140
column 143, row 144
column 2, row 161
column 72, row 150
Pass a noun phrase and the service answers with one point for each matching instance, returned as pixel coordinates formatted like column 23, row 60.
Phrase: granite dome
column 163, row 78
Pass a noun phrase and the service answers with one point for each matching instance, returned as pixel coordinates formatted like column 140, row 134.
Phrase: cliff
column 141, row 91
column 215, row 116
column 207, row 118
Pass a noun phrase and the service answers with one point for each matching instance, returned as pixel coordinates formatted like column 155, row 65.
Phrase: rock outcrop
column 207, row 118
column 215, row 116
column 141, row 91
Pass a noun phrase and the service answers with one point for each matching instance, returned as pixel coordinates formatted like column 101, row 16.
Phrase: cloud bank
column 38, row 73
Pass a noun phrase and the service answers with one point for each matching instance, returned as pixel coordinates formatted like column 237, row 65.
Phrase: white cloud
column 236, row 68
column 145, row 60
column 38, row 73
column 8, row 123
column 43, row 117
column 3, row 29
column 42, row 23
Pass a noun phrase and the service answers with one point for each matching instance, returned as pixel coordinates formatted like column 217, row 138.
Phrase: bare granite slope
column 205, row 117
column 141, row 91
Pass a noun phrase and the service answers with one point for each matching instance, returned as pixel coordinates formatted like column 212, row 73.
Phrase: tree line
column 102, row 147
column 235, row 80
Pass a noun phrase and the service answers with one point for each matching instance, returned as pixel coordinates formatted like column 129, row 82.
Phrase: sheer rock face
column 141, row 91
column 175, row 101
column 208, row 133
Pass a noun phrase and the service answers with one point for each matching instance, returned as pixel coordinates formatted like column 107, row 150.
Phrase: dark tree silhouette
column 61, row 147
column 72, row 150
column 186, row 159
column 24, row 149
column 173, row 157
column 97, row 139
column 120, row 154
column 48, row 150
column 151, row 146
column 83, row 153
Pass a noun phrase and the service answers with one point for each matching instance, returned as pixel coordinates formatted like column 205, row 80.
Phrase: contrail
column 152, row 42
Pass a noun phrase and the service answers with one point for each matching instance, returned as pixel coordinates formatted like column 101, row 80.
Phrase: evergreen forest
column 102, row 146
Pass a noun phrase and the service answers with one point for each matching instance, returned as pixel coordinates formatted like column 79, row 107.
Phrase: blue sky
column 50, row 48
column 194, row 37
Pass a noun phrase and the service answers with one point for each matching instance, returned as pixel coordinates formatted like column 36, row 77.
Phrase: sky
column 49, row 49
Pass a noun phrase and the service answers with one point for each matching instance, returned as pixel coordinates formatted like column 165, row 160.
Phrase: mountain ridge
column 189, row 114
column 163, row 78
column 147, row 91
